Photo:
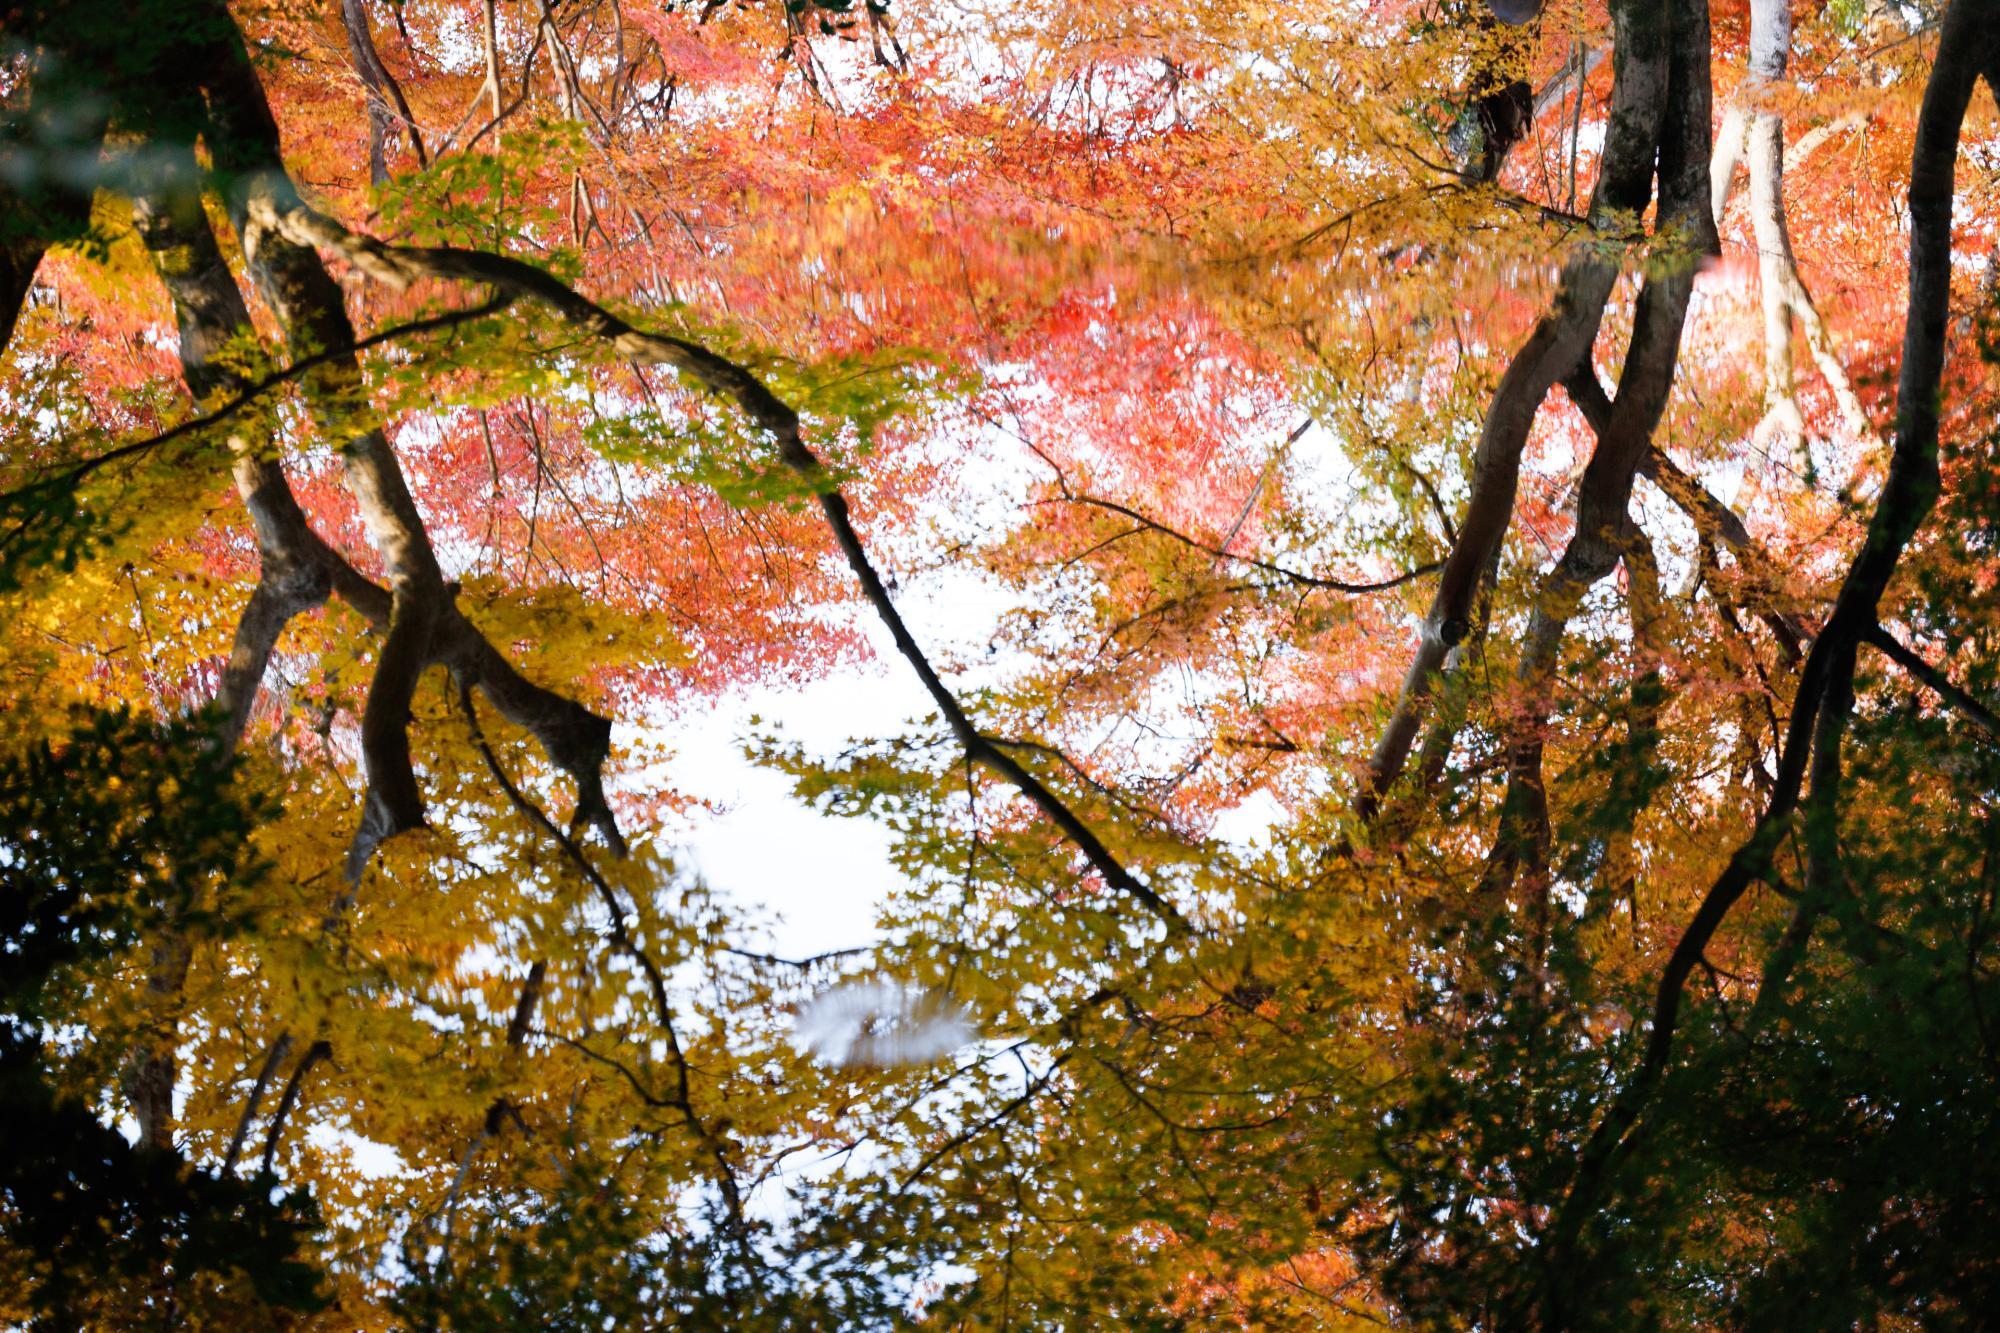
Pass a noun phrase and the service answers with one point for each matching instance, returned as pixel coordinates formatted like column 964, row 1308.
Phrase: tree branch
column 1604, row 532
column 318, row 1051
column 713, row 1145
column 1223, row 553
column 1940, row 684
column 400, row 266
column 382, row 90
column 272, row 1059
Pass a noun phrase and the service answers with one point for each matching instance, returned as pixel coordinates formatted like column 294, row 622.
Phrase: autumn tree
column 1384, row 429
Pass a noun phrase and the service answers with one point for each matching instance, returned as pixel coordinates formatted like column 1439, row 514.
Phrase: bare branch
column 272, row 1059
column 1940, row 684
column 318, row 1051
column 1223, row 553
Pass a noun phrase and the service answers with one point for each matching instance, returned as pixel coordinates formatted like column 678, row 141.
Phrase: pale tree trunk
column 209, row 311
column 1753, row 131
column 416, row 615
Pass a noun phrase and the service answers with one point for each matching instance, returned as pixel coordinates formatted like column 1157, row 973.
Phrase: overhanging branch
column 400, row 266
